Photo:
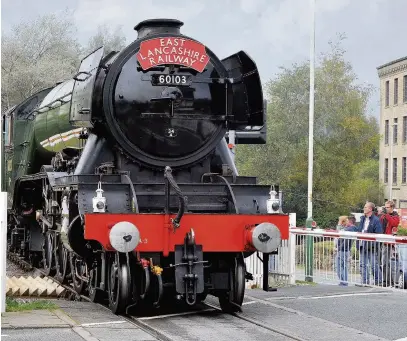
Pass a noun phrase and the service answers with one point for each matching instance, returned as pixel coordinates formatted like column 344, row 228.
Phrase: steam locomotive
column 121, row 181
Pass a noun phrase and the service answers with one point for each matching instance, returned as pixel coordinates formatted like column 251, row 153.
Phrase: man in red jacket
column 390, row 221
column 389, row 218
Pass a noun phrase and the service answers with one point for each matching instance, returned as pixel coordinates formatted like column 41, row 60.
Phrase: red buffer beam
column 216, row 233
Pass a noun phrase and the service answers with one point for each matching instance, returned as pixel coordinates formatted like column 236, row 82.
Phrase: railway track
column 206, row 322
column 213, row 320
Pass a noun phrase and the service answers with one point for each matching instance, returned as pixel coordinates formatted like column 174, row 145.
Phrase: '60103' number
column 172, row 79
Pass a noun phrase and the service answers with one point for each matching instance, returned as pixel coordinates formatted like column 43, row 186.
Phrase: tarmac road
column 329, row 312
column 315, row 313
column 321, row 312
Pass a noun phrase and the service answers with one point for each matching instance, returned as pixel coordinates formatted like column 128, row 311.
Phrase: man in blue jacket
column 369, row 250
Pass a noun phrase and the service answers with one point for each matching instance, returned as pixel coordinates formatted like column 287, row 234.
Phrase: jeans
column 370, row 256
column 389, row 268
column 342, row 266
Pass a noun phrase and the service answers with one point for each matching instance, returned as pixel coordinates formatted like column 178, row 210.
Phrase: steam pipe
column 90, row 153
column 224, row 153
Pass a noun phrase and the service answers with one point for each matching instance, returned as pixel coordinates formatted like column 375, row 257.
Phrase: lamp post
column 309, row 222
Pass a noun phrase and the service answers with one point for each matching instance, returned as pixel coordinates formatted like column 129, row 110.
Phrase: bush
column 324, row 254
column 402, row 231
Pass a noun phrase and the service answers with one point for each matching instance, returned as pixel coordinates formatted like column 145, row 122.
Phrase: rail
column 339, row 258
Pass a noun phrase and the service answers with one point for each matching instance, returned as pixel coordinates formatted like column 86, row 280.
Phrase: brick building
column 393, row 130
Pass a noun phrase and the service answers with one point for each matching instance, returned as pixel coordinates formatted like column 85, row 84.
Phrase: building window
column 386, row 132
column 386, row 170
column 396, row 90
column 404, row 170
column 395, row 131
column 387, row 93
column 395, row 171
column 405, row 89
column 404, row 135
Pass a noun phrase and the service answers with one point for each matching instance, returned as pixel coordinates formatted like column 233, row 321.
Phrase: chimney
column 156, row 26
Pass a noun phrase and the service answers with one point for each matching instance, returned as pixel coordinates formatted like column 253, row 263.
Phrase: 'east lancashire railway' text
column 172, row 51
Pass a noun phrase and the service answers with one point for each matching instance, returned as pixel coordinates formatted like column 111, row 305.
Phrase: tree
column 112, row 41
column 346, row 141
column 36, row 55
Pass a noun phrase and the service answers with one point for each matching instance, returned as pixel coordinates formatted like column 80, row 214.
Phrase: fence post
column 309, row 253
column 3, row 227
column 291, row 257
column 291, row 249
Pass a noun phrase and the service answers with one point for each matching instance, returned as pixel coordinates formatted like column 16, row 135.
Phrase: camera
column 384, row 211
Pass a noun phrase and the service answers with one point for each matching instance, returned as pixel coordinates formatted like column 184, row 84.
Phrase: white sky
column 274, row 32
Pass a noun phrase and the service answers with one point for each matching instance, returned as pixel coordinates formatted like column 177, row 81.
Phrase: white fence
column 281, row 267
column 337, row 258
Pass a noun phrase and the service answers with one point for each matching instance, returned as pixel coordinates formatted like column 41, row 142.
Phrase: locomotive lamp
column 99, row 202
column 273, row 204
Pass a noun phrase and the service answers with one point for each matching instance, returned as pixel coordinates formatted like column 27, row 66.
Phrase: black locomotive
column 130, row 191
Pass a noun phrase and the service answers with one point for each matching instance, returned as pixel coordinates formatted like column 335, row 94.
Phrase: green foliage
column 36, row 54
column 18, row 305
column 45, row 50
column 327, row 218
column 325, row 255
column 402, row 231
column 346, row 141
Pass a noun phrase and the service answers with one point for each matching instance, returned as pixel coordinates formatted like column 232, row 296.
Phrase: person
column 389, row 218
column 344, row 249
column 369, row 251
column 342, row 222
column 390, row 221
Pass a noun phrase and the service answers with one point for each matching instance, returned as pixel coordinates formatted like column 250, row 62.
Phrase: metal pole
column 232, row 141
column 310, row 246
column 311, row 109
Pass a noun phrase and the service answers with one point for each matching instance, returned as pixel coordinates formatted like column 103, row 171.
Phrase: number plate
column 174, row 79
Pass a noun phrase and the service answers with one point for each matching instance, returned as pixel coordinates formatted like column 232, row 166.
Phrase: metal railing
column 326, row 256
column 336, row 258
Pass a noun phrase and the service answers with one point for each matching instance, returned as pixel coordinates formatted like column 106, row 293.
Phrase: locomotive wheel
column 61, row 262
column 232, row 301
column 95, row 294
column 155, row 293
column 119, row 284
column 48, row 254
column 77, row 270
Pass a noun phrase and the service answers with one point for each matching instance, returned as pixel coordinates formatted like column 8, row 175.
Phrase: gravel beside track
column 13, row 269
